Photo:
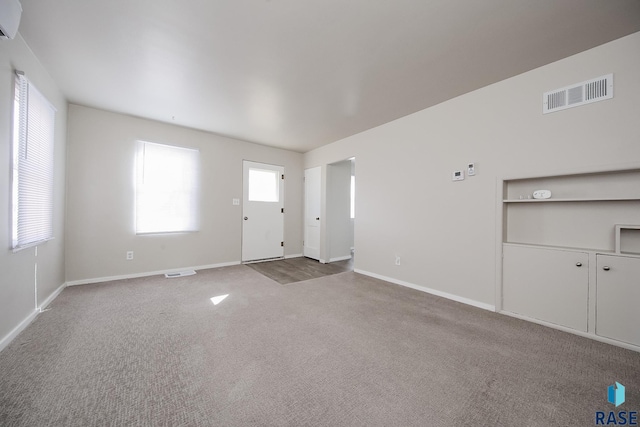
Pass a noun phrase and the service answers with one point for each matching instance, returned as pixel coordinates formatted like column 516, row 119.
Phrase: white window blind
column 167, row 189
column 32, row 179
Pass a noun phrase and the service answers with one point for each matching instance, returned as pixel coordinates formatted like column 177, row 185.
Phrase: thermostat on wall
column 542, row 194
column 458, row 175
column 471, row 169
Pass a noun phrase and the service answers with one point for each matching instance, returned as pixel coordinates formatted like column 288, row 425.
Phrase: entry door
column 262, row 211
column 312, row 189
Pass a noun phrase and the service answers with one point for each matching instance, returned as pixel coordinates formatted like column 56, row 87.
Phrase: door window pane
column 263, row 186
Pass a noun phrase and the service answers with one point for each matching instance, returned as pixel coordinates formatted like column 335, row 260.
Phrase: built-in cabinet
column 573, row 260
column 547, row 284
column 617, row 297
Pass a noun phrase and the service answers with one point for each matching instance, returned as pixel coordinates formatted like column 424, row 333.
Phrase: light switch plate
column 236, row 202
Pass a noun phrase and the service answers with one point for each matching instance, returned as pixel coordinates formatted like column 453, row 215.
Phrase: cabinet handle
column 578, row 264
column 606, row 268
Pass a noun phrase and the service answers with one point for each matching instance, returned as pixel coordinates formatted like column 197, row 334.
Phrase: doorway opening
column 341, row 211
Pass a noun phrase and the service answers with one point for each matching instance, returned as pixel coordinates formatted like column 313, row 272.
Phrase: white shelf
column 574, row 249
column 587, row 199
column 561, row 248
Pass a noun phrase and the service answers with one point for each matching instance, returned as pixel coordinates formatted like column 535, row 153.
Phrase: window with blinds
column 167, row 189
column 32, row 166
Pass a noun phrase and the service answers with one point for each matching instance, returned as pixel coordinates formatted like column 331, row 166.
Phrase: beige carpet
column 342, row 350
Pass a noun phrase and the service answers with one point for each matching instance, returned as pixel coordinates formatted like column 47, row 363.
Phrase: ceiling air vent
column 579, row 94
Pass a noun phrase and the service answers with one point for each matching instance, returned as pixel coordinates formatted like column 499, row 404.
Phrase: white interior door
column 262, row 211
column 312, row 189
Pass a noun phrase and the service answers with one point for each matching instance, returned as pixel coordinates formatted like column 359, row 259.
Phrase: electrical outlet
column 397, row 260
column 129, row 255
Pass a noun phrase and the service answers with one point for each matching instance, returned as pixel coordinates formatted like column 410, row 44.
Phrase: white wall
column 339, row 226
column 445, row 231
column 100, row 204
column 17, row 278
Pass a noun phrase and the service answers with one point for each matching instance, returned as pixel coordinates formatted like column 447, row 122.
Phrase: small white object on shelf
column 542, row 194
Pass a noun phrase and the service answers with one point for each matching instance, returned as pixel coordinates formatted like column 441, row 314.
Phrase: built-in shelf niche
column 627, row 238
column 572, row 261
column 583, row 211
column 580, row 187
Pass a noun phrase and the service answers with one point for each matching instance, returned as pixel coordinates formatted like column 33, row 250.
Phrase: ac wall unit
column 10, row 13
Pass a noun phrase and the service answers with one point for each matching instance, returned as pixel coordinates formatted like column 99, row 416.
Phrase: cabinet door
column 547, row 284
column 618, row 296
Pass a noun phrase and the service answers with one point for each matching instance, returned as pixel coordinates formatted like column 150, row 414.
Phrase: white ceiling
column 299, row 74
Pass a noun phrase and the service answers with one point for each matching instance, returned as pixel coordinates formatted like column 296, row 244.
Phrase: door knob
column 578, row 264
column 246, row 218
column 606, row 268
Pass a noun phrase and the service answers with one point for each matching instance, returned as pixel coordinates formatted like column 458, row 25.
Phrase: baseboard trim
column 148, row 273
column 6, row 340
column 293, row 256
column 446, row 295
column 573, row 331
column 340, row 258
column 51, row 297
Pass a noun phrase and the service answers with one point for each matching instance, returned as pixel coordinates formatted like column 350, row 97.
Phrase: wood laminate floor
column 293, row 270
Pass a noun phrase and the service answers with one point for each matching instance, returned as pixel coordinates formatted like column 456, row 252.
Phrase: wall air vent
column 579, row 94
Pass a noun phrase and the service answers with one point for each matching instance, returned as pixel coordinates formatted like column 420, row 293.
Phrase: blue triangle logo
column 615, row 394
